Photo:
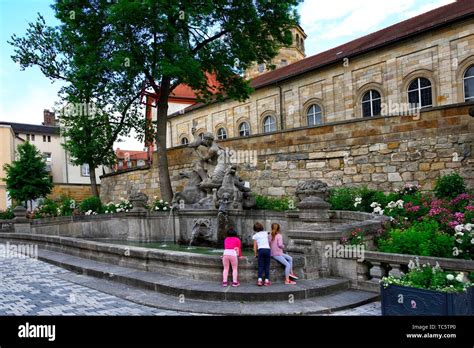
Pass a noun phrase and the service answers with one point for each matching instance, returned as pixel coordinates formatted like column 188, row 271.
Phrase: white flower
column 164, row 208
column 460, row 277
column 378, row 210
column 374, row 204
column 459, row 241
column 468, row 227
column 472, row 241
column 400, row 203
column 161, row 201
column 449, row 277
column 458, row 234
column 459, row 228
column 156, row 208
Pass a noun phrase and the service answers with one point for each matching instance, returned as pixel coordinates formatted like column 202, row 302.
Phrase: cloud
column 330, row 23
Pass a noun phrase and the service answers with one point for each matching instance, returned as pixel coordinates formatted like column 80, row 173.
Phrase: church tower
column 287, row 55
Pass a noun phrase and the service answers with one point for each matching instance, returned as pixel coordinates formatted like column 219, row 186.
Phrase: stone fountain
column 213, row 187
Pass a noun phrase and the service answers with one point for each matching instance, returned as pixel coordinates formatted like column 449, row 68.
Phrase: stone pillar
column 377, row 272
column 21, row 222
column 313, row 206
column 139, row 200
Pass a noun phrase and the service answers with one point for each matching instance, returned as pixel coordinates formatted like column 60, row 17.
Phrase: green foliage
column 7, row 214
column 344, row 198
column 271, row 203
column 449, row 186
column 123, row 206
column 160, row 205
column 422, row 238
column 47, row 208
column 27, row 178
column 356, row 238
column 91, row 206
column 66, row 206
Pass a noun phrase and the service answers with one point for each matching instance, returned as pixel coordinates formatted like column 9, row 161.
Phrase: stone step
column 321, row 305
column 194, row 289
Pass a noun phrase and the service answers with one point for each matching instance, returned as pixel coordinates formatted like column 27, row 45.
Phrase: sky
column 24, row 94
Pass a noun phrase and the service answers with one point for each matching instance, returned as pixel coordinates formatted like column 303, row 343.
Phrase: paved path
column 33, row 287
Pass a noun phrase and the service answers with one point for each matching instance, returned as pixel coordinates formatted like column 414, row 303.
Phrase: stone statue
column 213, row 176
column 192, row 192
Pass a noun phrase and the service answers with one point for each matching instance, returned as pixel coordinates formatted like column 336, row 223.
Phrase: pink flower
column 459, row 217
column 470, row 208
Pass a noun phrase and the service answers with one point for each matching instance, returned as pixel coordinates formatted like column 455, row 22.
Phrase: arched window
column 244, row 129
column 371, row 103
column 314, row 115
column 469, row 84
column 420, row 93
column 269, row 124
column 221, row 134
column 302, row 44
column 297, row 40
column 184, row 141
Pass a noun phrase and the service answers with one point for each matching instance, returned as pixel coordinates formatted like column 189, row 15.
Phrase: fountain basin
column 177, row 263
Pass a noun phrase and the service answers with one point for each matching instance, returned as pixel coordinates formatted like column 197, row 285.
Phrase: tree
column 164, row 43
column 27, row 178
column 95, row 111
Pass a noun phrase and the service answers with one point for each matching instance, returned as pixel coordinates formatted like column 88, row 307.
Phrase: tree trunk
column 161, row 125
column 94, row 189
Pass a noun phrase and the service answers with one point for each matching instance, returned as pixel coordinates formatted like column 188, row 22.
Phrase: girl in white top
column 261, row 248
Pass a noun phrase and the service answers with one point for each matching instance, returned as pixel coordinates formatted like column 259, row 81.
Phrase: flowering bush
column 160, row 205
column 67, row 207
column 91, row 206
column 449, row 186
column 7, row 214
column 123, row 206
column 47, row 208
column 408, row 190
column 421, row 238
column 432, row 278
column 356, row 238
column 464, row 241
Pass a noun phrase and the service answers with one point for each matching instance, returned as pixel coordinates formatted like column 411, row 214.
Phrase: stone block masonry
column 383, row 153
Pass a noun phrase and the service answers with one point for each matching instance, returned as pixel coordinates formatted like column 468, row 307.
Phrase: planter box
column 408, row 301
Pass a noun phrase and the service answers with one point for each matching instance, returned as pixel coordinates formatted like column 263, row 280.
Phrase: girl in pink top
column 232, row 250
column 276, row 246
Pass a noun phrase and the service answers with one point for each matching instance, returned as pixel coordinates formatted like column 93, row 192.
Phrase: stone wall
column 77, row 192
column 381, row 152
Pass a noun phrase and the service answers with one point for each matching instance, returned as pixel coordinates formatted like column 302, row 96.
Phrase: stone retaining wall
column 381, row 152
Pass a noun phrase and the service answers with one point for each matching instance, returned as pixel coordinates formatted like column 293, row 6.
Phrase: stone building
column 430, row 56
column 383, row 110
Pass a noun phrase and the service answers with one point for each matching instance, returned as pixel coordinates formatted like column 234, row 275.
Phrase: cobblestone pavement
column 33, row 287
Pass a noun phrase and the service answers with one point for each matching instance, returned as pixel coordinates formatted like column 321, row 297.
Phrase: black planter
column 407, row 301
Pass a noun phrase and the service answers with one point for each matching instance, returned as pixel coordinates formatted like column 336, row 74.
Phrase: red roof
column 137, row 155
column 410, row 27
column 183, row 91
